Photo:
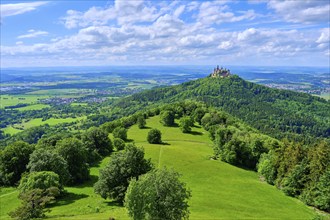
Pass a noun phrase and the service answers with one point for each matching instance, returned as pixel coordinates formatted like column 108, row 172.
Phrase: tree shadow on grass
column 129, row 141
column 175, row 125
column 165, row 143
column 145, row 128
column 114, row 203
column 196, row 133
column 89, row 183
column 67, row 198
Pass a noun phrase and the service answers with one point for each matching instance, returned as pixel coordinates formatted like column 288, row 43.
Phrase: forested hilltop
column 278, row 113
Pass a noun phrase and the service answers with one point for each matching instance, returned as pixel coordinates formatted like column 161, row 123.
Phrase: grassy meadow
column 16, row 128
column 219, row 190
column 33, row 107
column 11, row 100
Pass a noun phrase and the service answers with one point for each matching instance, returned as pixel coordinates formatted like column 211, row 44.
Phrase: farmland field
column 33, row 107
column 11, row 100
column 219, row 190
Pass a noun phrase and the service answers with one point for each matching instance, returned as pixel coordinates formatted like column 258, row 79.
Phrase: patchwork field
column 219, row 190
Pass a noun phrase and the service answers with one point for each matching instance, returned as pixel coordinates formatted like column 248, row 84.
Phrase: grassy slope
column 219, row 190
column 10, row 130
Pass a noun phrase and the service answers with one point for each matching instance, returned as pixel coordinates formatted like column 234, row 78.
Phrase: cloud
column 216, row 12
column 32, row 34
column 7, row 10
column 93, row 16
column 323, row 41
column 170, row 32
column 124, row 12
column 307, row 12
column 179, row 11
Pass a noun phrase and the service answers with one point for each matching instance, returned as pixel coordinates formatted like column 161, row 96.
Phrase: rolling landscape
column 201, row 110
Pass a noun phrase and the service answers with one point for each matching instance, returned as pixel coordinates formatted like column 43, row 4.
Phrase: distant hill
column 279, row 113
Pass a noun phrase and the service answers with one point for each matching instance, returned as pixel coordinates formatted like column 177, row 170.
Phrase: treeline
column 300, row 171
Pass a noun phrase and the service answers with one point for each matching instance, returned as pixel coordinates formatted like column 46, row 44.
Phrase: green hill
column 219, row 190
column 279, row 113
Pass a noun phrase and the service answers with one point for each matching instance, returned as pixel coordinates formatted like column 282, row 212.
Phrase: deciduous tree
column 123, row 166
column 13, row 161
column 158, row 194
column 75, row 154
column 49, row 160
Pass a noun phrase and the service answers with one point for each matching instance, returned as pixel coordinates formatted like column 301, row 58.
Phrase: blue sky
column 93, row 33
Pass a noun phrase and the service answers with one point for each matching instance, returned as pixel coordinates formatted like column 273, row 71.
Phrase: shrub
column 154, row 136
column 119, row 144
column 120, row 132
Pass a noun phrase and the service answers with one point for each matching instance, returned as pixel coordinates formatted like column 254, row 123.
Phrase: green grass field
column 11, row 100
column 13, row 129
column 219, row 190
column 52, row 121
column 10, row 130
column 60, row 92
column 79, row 104
column 33, row 107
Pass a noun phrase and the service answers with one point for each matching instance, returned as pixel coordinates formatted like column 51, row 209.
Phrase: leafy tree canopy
column 13, row 161
column 158, row 194
column 154, row 136
column 120, row 132
column 123, row 166
column 49, row 160
column 75, row 154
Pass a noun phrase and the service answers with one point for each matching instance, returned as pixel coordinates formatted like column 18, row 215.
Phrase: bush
column 141, row 121
column 33, row 203
column 266, row 167
column 119, row 144
column 185, row 124
column 154, row 136
column 167, row 118
column 39, row 180
column 120, row 132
